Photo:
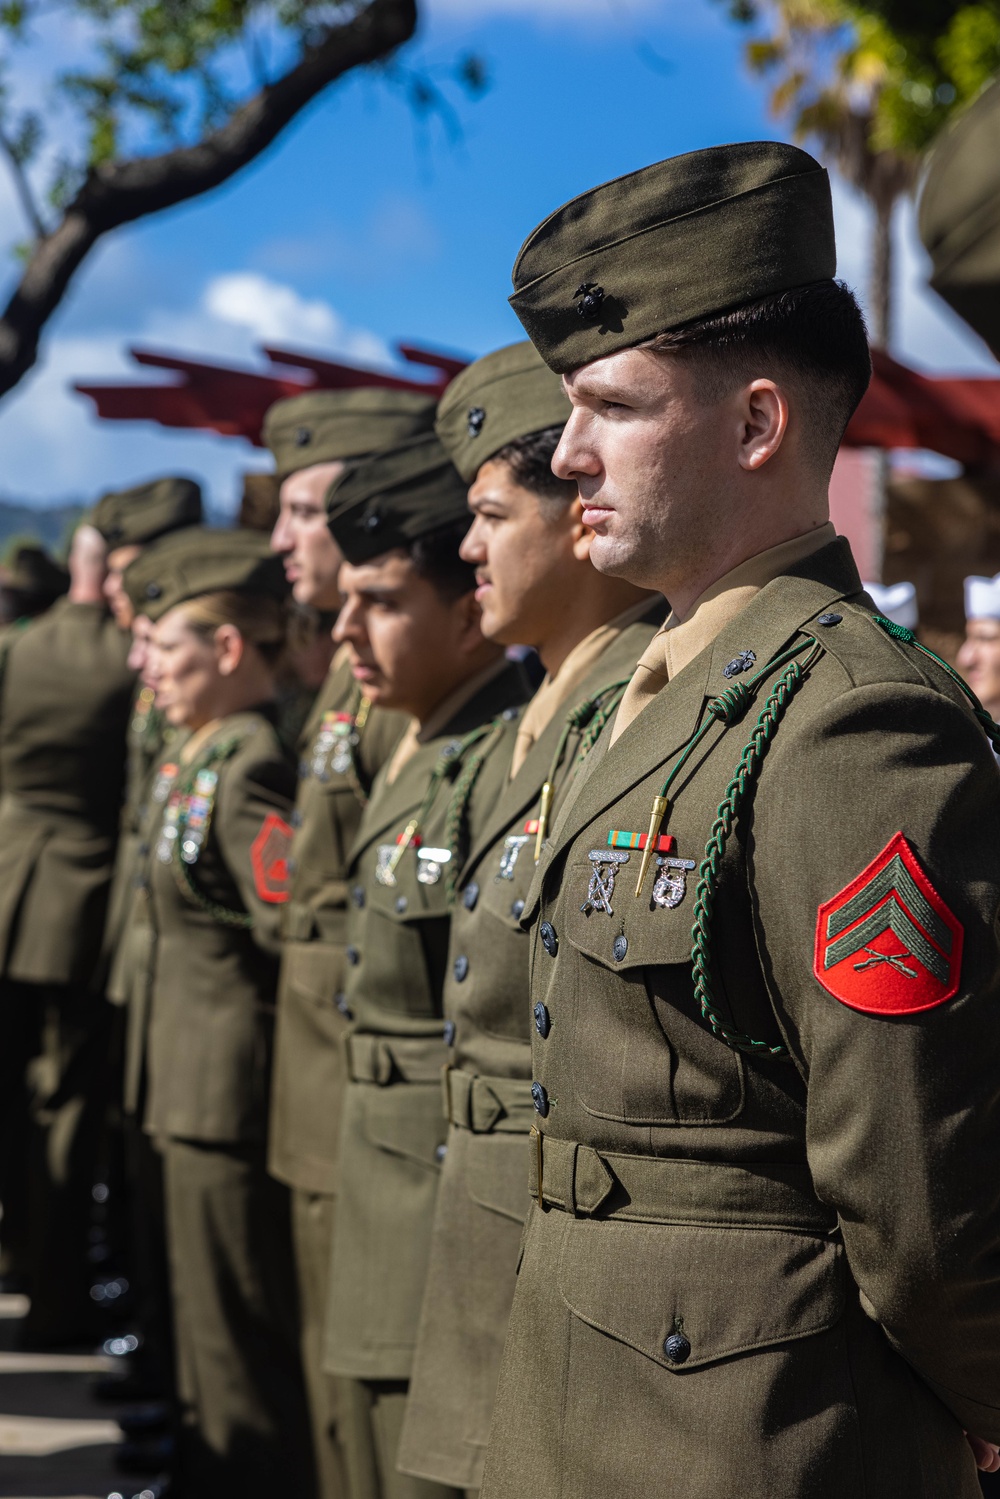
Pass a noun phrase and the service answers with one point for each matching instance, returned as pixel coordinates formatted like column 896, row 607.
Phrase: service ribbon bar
column 531, row 827
column 618, row 839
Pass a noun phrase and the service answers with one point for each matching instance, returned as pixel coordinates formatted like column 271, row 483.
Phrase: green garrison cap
column 960, row 215
column 132, row 517
column 325, row 426
column 687, row 238
column 200, row 560
column 393, row 498
column 32, row 570
column 508, row 394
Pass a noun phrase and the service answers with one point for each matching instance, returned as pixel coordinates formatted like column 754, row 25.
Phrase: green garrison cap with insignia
column 133, row 517
column 684, row 239
column 202, row 560
column 327, row 426
column 394, row 498
column 504, row 396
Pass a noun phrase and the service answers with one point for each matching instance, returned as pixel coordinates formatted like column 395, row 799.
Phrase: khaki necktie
column 651, row 675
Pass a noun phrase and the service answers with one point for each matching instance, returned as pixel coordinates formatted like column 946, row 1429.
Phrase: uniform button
column 677, row 1348
column 449, row 1033
column 353, row 956
column 829, row 619
column 340, row 1000
column 440, row 1151
column 401, row 904
column 516, row 909
column 620, row 948
column 470, row 895
column 296, row 818
column 540, row 1099
column 358, row 895
column 550, row 941
column 543, row 1021
column 460, row 968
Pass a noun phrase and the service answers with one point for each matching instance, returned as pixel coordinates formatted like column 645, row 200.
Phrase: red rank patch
column 269, row 859
column 888, row 944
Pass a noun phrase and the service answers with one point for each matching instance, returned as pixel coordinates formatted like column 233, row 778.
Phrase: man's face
column 311, row 556
column 118, row 600
column 650, row 459
column 979, row 661
column 522, row 550
column 408, row 644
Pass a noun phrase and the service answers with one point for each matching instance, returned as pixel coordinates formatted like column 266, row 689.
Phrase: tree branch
column 120, row 192
column 22, row 186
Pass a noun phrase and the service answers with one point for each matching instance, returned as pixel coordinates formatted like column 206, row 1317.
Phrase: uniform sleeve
column 254, row 833
column 875, row 863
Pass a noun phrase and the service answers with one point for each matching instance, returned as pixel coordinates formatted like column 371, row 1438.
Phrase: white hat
column 897, row 601
column 982, row 598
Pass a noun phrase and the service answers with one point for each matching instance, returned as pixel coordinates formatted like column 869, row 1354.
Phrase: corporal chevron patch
column 887, row 944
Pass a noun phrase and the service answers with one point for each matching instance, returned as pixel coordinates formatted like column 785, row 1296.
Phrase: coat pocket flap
column 407, row 1120
column 607, row 921
column 687, row 1297
column 496, row 1173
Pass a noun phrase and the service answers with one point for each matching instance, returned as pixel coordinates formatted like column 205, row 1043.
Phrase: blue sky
column 362, row 226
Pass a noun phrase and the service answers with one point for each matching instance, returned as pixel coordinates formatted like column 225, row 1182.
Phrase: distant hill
column 52, row 526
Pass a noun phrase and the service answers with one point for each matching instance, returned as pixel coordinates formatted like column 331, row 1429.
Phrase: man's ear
column 763, row 423
column 229, row 647
column 582, row 536
column 468, row 617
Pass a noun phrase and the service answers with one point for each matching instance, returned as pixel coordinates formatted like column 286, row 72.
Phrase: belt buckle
column 537, row 1134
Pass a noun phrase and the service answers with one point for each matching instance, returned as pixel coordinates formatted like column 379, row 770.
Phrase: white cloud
column 53, row 445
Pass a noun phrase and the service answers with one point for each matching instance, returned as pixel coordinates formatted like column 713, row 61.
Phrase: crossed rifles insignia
column 887, row 944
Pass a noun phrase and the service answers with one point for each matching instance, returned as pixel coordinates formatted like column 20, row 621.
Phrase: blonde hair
column 263, row 621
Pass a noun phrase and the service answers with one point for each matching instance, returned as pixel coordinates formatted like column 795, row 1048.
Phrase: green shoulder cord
column 455, row 827
column 591, row 716
column 727, row 709
column 449, row 764
column 183, row 872
column 900, row 632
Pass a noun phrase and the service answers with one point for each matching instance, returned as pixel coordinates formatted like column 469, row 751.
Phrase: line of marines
column 570, row 1086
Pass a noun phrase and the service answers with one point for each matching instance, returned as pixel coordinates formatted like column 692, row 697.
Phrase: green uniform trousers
column 244, row 1422
column 312, row 1234
column 373, row 1412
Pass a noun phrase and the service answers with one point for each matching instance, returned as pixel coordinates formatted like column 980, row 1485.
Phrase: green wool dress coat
column 65, row 700
column 762, row 1255
column 337, row 765
column 483, row 1194
column 393, row 1127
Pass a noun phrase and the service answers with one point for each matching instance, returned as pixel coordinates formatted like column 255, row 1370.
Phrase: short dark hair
column 815, row 334
column 435, row 557
column 530, row 462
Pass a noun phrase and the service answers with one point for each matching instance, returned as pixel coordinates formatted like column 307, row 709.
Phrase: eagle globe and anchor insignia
column 887, row 944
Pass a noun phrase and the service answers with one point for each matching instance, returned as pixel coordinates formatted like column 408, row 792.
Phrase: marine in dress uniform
column 64, row 703
column 343, row 745
column 761, row 1254
column 500, row 421
column 412, row 622
column 216, row 885
column 979, row 653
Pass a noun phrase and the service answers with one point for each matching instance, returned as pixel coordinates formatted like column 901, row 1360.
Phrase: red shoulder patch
column 887, row 944
column 269, row 859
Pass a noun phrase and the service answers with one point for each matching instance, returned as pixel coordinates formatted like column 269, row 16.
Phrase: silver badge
column 383, row 873
column 670, row 885
column 430, row 864
column 606, row 862
column 512, row 846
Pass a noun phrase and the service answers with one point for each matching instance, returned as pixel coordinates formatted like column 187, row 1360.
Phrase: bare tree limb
column 121, row 192
column 22, row 186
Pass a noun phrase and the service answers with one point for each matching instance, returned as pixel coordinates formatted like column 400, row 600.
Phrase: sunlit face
column 522, row 550
column 311, row 556
column 118, row 600
column 183, row 668
column 979, row 661
column 138, row 654
column 405, row 639
column 650, row 458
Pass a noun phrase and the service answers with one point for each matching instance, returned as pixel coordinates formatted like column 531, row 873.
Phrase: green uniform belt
column 394, row 1059
column 301, row 923
column 486, row 1105
column 650, row 1189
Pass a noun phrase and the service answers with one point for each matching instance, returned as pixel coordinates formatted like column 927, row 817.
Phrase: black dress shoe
column 145, row 1455
column 149, row 1419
